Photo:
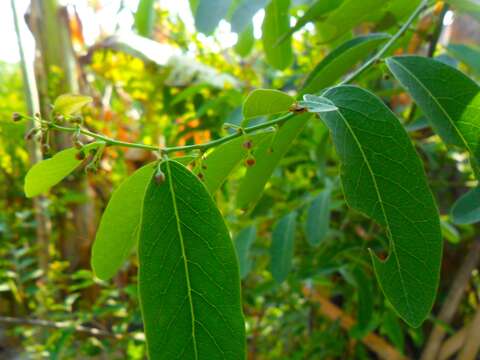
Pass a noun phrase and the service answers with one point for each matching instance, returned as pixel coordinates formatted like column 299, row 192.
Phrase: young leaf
column 447, row 97
column 243, row 242
column 275, row 24
column 339, row 61
column 208, row 14
column 467, row 54
column 145, row 17
column 118, row 229
column 261, row 102
column 267, row 156
column 318, row 218
column 281, row 250
column 225, row 158
column 188, row 273
column 47, row 173
column 245, row 41
column 317, row 104
column 466, row 209
column 244, row 13
column 69, row 104
column 383, row 177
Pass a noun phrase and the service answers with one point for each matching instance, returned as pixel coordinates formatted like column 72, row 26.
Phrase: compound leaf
column 118, row 229
column 188, row 273
column 383, row 177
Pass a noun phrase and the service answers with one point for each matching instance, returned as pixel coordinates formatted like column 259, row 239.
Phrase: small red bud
column 159, row 177
column 250, row 162
column 17, row 116
column 78, row 144
column 248, row 144
column 80, row 155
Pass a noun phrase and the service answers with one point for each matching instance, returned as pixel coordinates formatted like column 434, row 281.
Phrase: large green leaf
column 267, row 156
column 467, row 54
column 261, row 102
column 243, row 242
column 318, row 218
column 118, row 229
column 314, row 12
column 208, row 14
column 275, row 24
column 188, row 273
column 448, row 98
column 47, row 173
column 244, row 13
column 226, row 157
column 466, row 209
column 339, row 61
column 281, row 250
column 145, row 17
column 383, row 177
column 347, row 16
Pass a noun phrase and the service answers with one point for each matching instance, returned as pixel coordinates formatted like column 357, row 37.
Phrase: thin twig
column 387, row 46
column 59, row 325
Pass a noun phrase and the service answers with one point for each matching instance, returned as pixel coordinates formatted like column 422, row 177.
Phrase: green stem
column 387, row 46
column 168, row 150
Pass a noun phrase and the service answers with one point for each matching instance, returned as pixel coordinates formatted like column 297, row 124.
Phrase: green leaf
column 243, row 242
column 383, row 177
column 245, row 41
column 69, row 104
column 314, row 12
column 392, row 328
column 466, row 209
column 208, row 14
column 145, row 17
column 365, row 302
column 226, row 157
column 317, row 104
column 447, row 97
column 188, row 273
column 347, row 16
column 467, row 54
column 339, row 61
column 261, row 102
column 275, row 24
column 244, row 13
column 118, row 229
column 318, row 218
column 47, row 173
column 267, row 156
column 281, row 250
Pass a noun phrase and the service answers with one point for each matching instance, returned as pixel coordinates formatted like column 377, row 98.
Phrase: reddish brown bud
column 200, row 176
column 248, row 144
column 17, row 116
column 250, row 162
column 80, row 155
column 159, row 177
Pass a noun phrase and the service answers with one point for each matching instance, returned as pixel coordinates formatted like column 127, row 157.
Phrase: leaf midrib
column 452, row 123
column 184, row 257
column 374, row 180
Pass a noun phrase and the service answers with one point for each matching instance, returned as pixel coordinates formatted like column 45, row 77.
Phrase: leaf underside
column 188, row 274
column 383, row 177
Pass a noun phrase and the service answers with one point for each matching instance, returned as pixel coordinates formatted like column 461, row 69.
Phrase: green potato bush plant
column 190, row 269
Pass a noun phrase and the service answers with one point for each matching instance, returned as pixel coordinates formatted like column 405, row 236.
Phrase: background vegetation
column 168, row 82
